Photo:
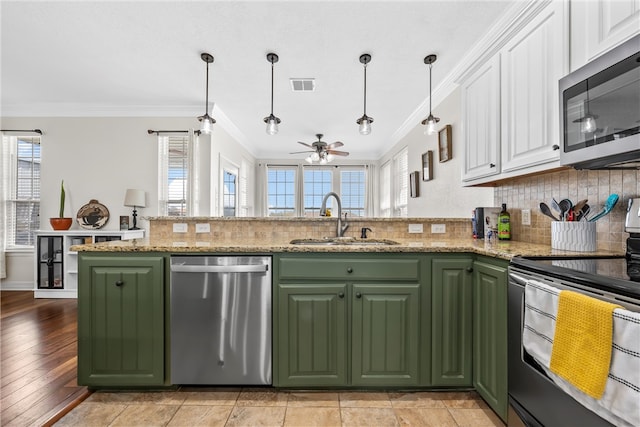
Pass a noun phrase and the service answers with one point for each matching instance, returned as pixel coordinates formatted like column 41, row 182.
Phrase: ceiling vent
column 303, row 85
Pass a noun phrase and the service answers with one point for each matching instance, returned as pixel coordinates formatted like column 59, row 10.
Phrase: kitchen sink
column 330, row 241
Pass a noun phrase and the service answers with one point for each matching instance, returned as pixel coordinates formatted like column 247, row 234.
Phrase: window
column 317, row 183
column 284, row 199
column 229, row 193
column 21, row 182
column 352, row 188
column 281, row 193
column 175, row 154
column 401, row 183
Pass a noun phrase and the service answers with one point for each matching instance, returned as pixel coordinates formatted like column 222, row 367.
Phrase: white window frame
column 299, row 208
column 10, row 195
column 189, row 192
column 228, row 166
column 385, row 189
column 297, row 184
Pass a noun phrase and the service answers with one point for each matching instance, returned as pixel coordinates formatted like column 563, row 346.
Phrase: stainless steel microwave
column 600, row 111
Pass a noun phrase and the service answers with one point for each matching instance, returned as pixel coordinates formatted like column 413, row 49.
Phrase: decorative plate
column 93, row 215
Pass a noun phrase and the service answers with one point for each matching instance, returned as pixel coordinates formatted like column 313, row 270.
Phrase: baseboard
column 55, row 293
column 16, row 286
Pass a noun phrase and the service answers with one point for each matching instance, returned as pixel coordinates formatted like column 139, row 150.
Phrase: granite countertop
column 499, row 249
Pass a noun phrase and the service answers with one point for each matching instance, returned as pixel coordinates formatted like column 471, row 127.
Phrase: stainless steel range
column 534, row 398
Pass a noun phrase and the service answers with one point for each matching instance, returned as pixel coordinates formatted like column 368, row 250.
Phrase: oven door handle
column 517, row 279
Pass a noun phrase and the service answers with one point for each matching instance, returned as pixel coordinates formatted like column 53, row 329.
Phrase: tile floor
column 268, row 407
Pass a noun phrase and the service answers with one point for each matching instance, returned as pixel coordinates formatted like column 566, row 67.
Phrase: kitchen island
column 422, row 313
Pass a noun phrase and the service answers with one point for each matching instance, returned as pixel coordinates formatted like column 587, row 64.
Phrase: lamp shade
column 135, row 198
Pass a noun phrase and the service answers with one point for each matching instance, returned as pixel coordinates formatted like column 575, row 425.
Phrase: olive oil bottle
column 504, row 224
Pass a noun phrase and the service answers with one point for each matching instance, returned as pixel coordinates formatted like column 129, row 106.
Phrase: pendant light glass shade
column 271, row 120
column 588, row 121
column 365, row 121
column 206, row 120
column 431, row 121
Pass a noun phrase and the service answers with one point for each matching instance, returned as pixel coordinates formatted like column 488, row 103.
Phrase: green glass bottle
column 504, row 224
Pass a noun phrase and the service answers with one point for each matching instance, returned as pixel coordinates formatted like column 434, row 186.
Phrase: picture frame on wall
column 414, row 179
column 444, row 144
column 427, row 166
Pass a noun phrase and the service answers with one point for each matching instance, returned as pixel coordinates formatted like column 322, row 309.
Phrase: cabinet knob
column 119, row 283
column 469, row 269
column 358, row 295
column 555, row 147
column 349, row 270
column 492, row 165
column 341, row 295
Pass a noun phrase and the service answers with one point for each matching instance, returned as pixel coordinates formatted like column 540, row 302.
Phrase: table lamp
column 135, row 199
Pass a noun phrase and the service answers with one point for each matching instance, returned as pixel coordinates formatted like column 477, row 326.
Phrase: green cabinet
column 451, row 310
column 312, row 338
column 490, row 332
column 347, row 319
column 385, row 334
column 120, row 320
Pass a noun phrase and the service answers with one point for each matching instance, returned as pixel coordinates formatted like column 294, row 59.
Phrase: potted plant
column 61, row 223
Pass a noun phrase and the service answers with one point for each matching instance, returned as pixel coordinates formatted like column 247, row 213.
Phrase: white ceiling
column 142, row 58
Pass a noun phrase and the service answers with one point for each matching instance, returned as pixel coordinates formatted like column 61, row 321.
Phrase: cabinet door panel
column 312, row 335
column 121, row 323
column 452, row 287
column 490, row 332
column 532, row 63
column 481, row 121
column 385, row 334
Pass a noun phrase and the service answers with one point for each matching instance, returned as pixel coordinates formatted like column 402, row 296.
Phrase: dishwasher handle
column 255, row 268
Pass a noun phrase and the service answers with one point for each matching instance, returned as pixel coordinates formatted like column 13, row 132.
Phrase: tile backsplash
column 528, row 192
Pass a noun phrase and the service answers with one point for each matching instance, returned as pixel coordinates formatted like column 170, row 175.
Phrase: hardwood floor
column 38, row 358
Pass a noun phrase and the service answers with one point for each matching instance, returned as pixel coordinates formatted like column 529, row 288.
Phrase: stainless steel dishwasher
column 220, row 320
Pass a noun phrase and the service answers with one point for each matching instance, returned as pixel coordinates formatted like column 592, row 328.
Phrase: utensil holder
column 577, row 236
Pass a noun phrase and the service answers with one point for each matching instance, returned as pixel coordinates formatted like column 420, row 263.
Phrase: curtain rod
column 38, row 131
column 151, row 131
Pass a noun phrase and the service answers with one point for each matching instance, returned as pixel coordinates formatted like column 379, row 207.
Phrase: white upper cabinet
column 532, row 62
column 481, row 121
column 599, row 25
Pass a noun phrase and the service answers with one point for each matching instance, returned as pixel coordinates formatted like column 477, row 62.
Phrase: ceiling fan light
column 314, row 157
column 309, row 158
column 330, row 157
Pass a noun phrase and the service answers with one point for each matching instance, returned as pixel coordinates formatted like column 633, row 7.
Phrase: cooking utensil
column 583, row 212
column 544, row 208
column 565, row 206
column 608, row 205
column 578, row 206
column 555, row 205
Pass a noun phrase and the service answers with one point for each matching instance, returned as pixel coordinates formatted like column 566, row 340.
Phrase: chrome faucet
column 323, row 212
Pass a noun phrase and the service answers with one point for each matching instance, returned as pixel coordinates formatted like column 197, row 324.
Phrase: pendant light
column 272, row 121
column 430, row 121
column 365, row 121
column 206, row 120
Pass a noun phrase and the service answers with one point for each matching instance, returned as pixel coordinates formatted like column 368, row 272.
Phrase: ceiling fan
column 321, row 151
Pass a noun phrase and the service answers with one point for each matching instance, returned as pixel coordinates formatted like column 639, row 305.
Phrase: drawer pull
column 349, row 270
column 469, row 269
column 119, row 283
column 492, row 165
column 358, row 295
column 341, row 295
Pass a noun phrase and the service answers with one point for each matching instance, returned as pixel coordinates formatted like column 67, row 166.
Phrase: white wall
column 99, row 158
column 444, row 196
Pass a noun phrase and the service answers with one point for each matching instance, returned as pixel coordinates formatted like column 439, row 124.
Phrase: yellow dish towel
column 581, row 352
